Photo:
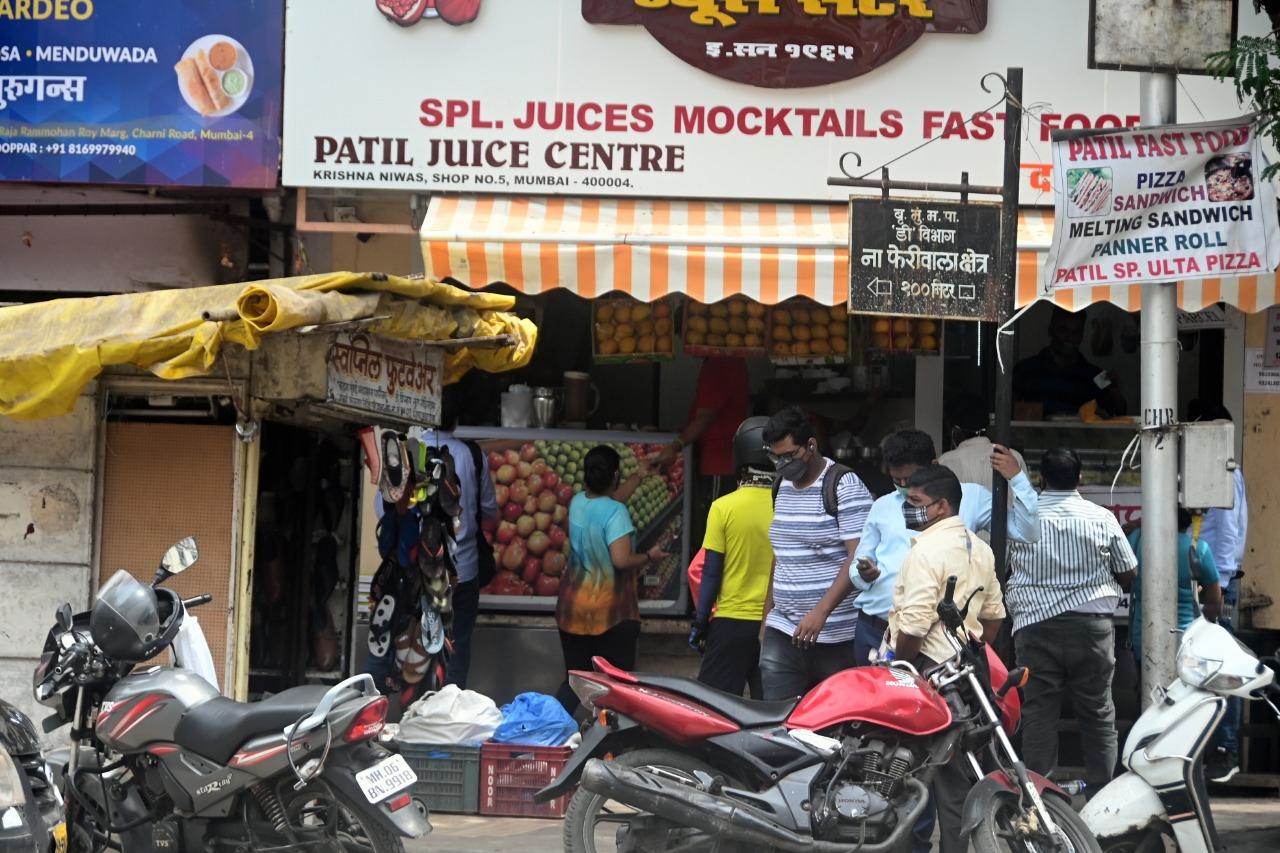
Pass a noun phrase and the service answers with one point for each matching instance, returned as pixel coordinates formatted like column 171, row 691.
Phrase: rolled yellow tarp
column 50, row 350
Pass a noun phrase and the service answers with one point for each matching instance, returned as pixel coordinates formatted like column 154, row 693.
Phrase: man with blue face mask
column 886, row 538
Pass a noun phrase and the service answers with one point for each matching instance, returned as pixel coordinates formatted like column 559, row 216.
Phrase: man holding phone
column 886, row 538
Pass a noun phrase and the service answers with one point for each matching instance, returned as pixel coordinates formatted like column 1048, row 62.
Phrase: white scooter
column 1163, row 796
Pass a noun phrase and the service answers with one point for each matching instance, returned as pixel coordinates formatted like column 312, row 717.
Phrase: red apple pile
column 531, row 538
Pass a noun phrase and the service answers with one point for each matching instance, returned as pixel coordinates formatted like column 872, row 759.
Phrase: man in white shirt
column 1225, row 531
column 971, row 458
column 1061, row 594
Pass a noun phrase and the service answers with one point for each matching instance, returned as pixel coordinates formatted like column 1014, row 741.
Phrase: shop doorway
column 305, row 554
column 162, row 482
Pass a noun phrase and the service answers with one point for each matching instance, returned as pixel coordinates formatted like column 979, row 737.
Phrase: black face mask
column 792, row 468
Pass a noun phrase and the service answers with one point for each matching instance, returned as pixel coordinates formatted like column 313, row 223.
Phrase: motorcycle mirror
column 64, row 617
column 180, row 557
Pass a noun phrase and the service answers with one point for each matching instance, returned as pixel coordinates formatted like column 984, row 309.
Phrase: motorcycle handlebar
column 949, row 597
column 199, row 600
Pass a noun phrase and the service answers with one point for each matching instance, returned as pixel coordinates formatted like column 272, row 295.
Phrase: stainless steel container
column 545, row 403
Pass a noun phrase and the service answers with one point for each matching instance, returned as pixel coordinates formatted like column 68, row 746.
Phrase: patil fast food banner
column 1157, row 204
column 181, row 93
column 721, row 99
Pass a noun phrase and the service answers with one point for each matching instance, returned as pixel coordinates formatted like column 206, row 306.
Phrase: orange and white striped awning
column 713, row 250
column 707, row 250
column 1035, row 234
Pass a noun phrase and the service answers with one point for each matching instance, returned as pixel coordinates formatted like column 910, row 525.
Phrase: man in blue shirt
column 886, row 538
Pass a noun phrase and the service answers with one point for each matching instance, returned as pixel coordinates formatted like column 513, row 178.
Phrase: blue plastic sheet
column 535, row 719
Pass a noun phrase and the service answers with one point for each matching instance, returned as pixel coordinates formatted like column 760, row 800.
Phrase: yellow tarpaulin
column 50, row 350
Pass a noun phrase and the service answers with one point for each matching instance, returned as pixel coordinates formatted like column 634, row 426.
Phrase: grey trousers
column 1076, row 652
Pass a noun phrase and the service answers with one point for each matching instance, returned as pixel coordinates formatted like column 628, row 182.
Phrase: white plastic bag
column 191, row 651
column 450, row 716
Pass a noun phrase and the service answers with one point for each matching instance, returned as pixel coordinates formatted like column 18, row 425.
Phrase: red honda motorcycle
column 671, row 764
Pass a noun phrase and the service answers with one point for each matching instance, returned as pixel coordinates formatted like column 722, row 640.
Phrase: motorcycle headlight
column 1195, row 670
column 10, row 783
column 1222, row 683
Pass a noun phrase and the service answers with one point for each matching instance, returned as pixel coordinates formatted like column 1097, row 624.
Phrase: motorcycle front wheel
column 996, row 833
column 594, row 824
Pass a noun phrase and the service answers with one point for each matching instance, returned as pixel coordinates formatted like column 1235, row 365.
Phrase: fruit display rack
column 536, row 474
column 627, row 331
column 802, row 332
column 915, row 335
column 736, row 327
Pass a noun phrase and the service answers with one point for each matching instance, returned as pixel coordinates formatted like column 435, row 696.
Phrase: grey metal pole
column 1159, row 575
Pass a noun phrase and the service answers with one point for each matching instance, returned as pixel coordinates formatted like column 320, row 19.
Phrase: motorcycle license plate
column 387, row 777
column 59, row 833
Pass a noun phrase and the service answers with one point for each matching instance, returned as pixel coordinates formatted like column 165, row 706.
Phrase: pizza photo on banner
column 1161, row 204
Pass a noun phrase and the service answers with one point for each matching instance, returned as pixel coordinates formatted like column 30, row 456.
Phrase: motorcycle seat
column 748, row 713
column 217, row 728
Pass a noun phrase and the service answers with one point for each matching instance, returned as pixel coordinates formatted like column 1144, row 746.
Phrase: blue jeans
column 870, row 633
column 1227, row 737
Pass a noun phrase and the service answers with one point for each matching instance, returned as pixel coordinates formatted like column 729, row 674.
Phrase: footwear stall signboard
column 915, row 257
column 382, row 377
column 716, row 99
column 129, row 92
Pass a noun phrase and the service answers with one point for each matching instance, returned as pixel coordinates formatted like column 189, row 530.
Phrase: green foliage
column 1255, row 64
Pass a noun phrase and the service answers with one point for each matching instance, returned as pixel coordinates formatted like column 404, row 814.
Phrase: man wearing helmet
column 735, row 574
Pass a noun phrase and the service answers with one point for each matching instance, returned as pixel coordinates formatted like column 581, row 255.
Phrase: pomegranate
column 553, row 563
column 505, row 533
column 524, row 470
column 530, row 505
column 496, row 460
column 532, row 569
column 458, row 12
column 506, row 474
column 564, row 494
column 513, row 556
column 519, row 492
column 406, row 13
column 539, row 542
column 547, row 502
column 557, row 536
column 528, row 453
column 551, row 479
column 542, row 521
column 513, row 458
column 525, row 526
column 559, row 515
column 512, row 511
column 546, row 585
column 500, row 492
column 536, row 483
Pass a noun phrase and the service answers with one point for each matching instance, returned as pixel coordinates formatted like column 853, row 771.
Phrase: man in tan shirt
column 944, row 548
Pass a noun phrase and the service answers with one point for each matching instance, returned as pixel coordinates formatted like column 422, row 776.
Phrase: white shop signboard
column 720, row 99
column 386, row 377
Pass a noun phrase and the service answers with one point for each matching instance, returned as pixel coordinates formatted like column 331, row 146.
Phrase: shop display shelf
column 510, row 774
column 448, row 775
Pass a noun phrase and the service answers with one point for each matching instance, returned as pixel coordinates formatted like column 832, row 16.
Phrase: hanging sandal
column 395, row 470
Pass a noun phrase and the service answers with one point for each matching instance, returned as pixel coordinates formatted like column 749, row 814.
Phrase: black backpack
column 830, row 480
column 488, row 566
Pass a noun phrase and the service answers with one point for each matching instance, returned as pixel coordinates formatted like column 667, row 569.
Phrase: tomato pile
column 531, row 537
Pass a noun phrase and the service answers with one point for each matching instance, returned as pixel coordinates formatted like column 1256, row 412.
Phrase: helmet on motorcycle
column 133, row 622
column 748, row 446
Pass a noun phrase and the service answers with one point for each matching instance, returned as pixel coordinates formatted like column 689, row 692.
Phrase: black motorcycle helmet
column 133, row 622
column 748, row 446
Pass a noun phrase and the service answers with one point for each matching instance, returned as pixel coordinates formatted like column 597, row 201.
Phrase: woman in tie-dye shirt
column 597, row 611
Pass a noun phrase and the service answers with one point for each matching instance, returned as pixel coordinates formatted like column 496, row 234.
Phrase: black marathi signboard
column 917, row 257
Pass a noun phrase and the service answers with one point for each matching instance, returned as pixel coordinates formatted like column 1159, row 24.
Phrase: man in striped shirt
column 1061, row 594
column 810, row 614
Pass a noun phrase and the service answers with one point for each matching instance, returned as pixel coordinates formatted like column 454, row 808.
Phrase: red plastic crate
column 510, row 774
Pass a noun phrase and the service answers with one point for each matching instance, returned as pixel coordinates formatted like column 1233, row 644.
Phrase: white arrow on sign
column 880, row 287
column 967, row 291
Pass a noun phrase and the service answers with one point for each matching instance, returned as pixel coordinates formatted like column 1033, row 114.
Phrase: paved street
column 1246, row 825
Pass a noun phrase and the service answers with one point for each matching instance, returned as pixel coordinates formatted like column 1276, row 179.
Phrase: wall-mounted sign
column 787, row 45
column 386, row 377
column 1160, row 204
column 184, row 93
column 923, row 258
column 1208, row 317
column 542, row 97
column 1271, row 343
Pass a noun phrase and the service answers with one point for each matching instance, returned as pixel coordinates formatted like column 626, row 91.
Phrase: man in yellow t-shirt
column 736, row 571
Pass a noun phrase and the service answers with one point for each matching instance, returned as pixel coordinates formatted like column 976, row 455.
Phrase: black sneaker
column 1221, row 766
